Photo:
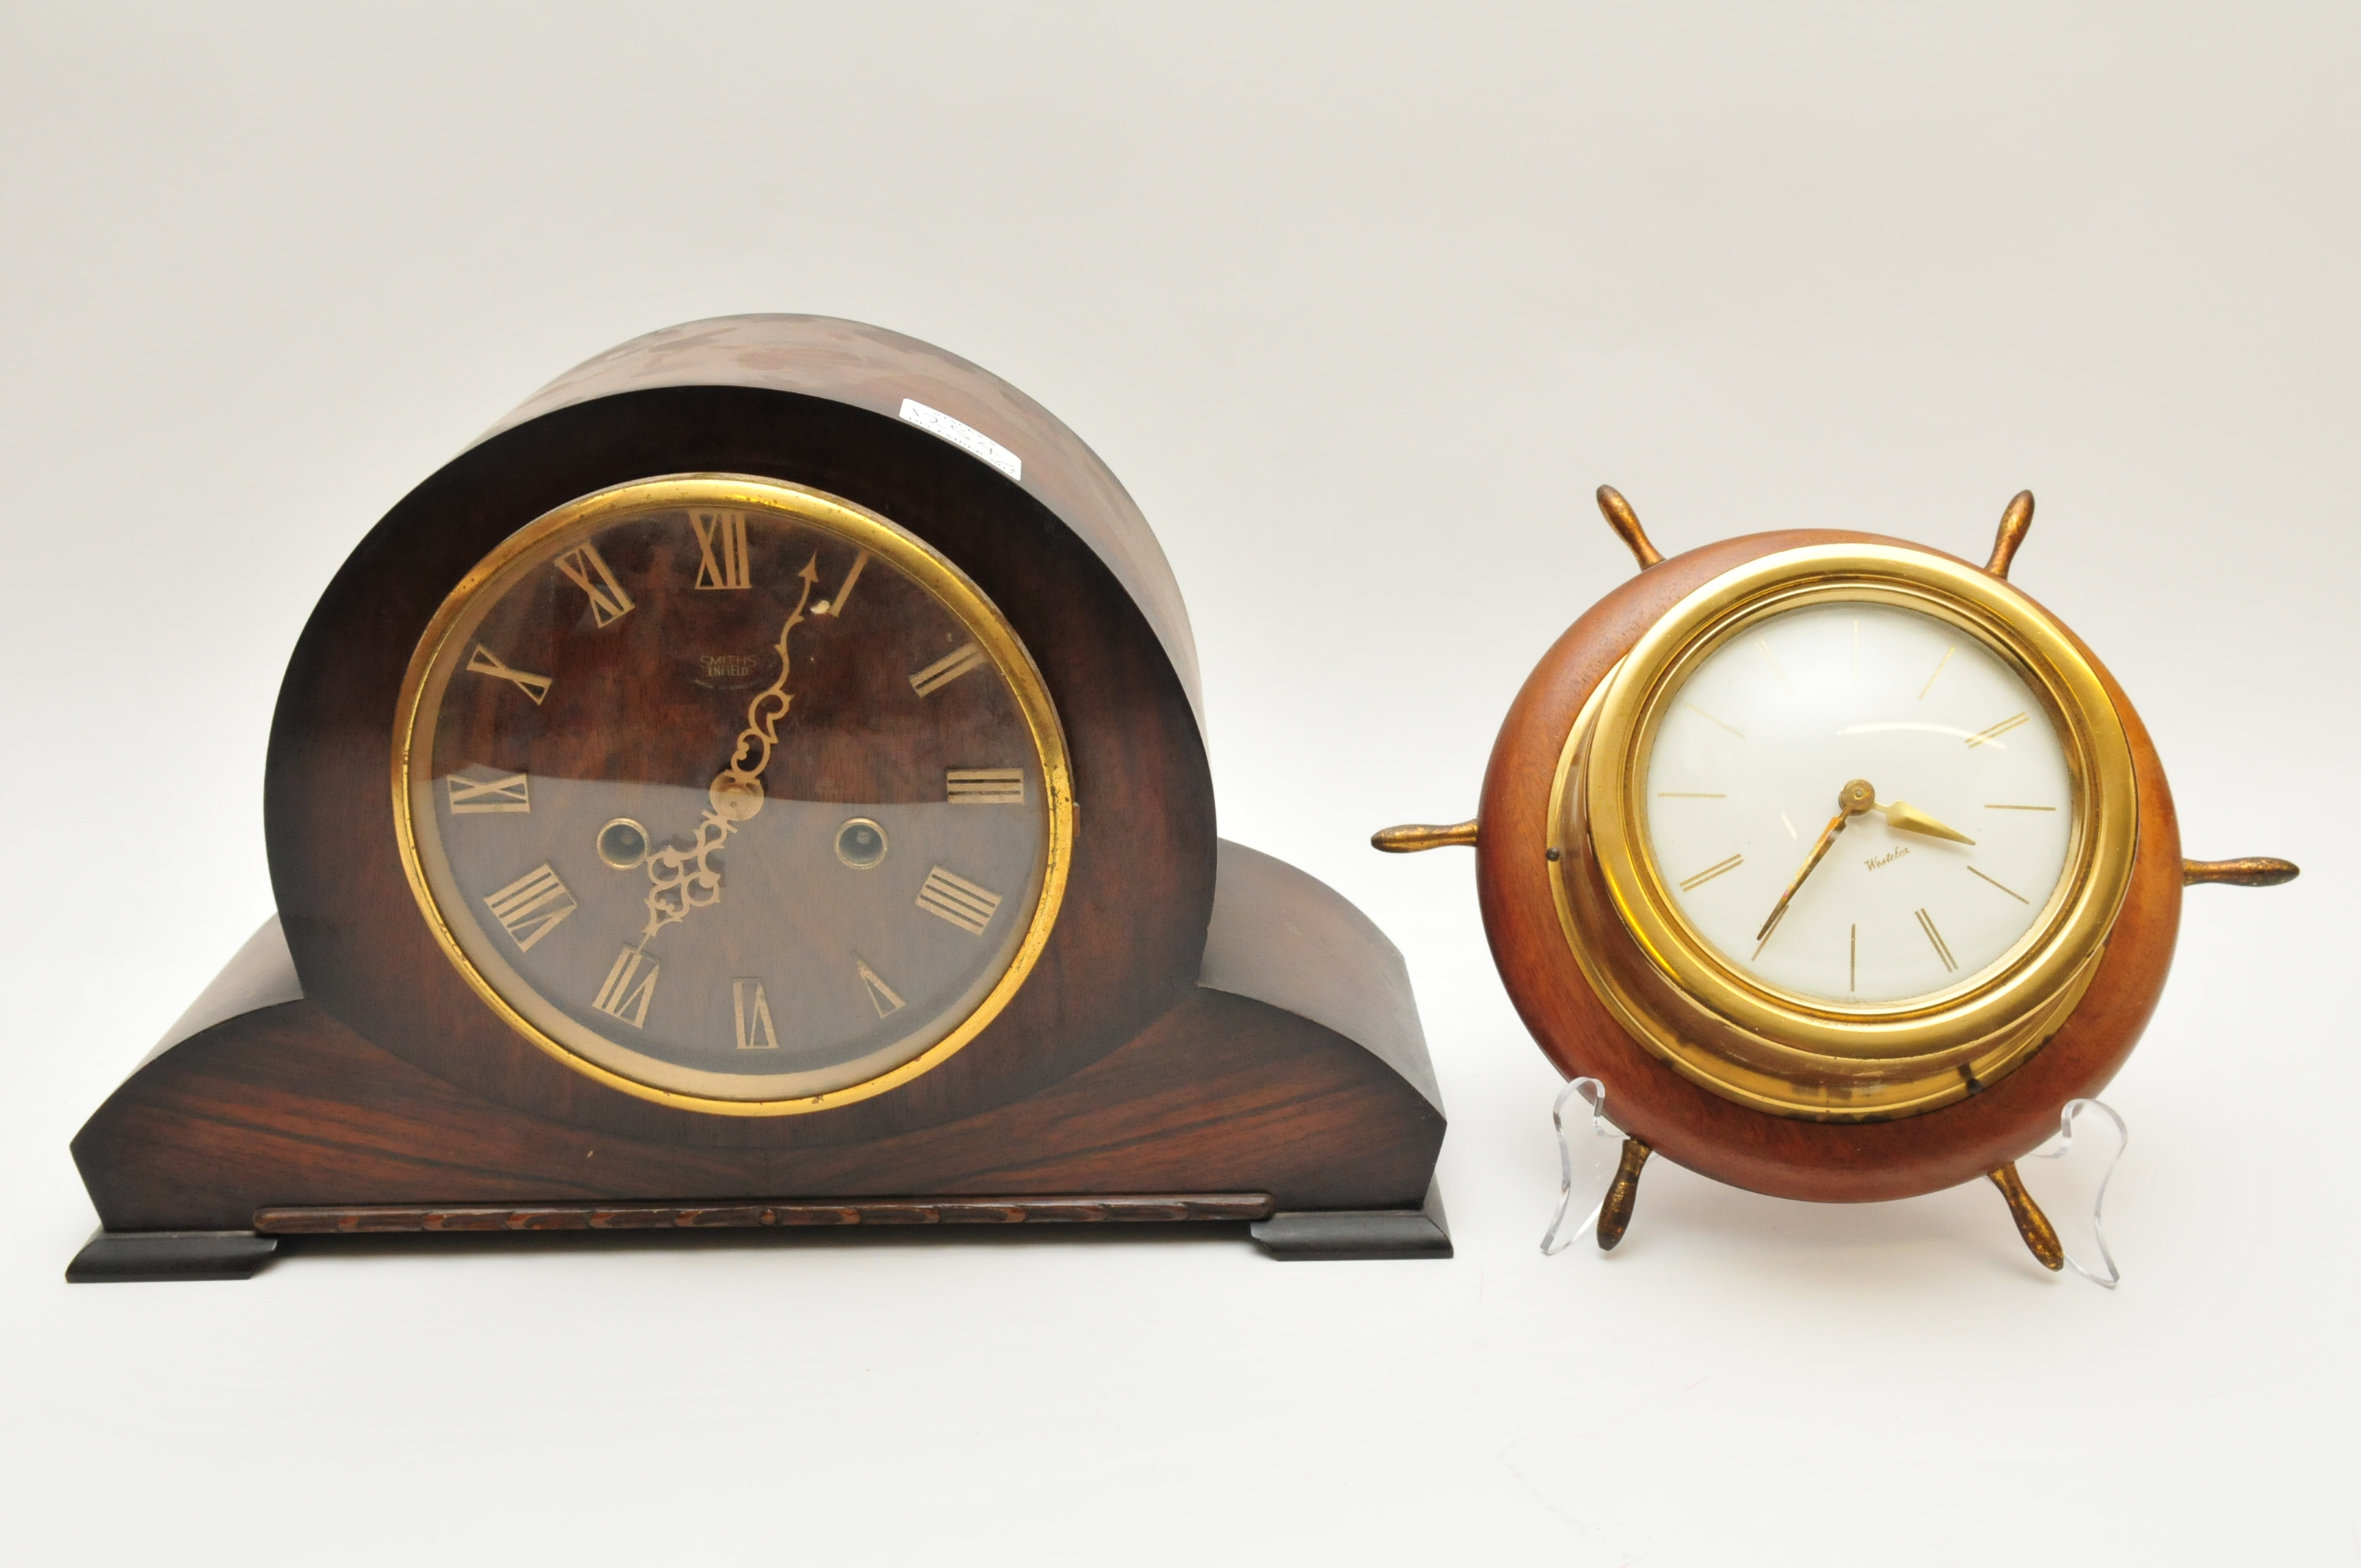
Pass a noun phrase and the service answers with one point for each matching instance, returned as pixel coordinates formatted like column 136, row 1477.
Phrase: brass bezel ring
column 1792, row 1050
column 860, row 527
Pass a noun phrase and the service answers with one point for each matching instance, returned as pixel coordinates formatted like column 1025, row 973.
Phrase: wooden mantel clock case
column 762, row 782
column 1838, row 862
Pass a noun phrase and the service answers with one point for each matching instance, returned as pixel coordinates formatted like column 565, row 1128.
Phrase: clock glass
column 731, row 793
column 1860, row 804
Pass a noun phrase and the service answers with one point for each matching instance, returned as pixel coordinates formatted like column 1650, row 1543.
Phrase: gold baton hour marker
column 1710, row 719
column 1992, row 736
column 484, row 661
column 1938, row 670
column 1926, row 924
column 1712, row 872
column 2010, row 891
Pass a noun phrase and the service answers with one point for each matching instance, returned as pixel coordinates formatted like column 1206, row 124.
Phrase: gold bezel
column 867, row 529
column 1803, row 1056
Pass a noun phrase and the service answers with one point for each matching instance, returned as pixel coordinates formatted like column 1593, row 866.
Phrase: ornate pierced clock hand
column 1908, row 819
column 687, row 879
column 1852, row 801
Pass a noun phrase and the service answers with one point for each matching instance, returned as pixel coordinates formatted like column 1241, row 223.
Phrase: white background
column 1360, row 301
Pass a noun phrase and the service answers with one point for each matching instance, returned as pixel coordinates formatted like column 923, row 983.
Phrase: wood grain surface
column 289, row 1108
column 1161, row 1207
column 870, row 368
column 1788, row 1157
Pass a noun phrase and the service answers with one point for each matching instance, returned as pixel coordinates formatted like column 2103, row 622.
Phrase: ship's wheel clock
column 1838, row 862
column 761, row 783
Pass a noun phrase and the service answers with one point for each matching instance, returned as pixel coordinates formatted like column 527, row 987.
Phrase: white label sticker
column 964, row 436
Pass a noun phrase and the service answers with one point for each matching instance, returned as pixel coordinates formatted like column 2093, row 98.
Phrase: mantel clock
column 761, row 782
column 1840, row 862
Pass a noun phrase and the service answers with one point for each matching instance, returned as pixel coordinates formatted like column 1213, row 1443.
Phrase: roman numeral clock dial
column 693, row 774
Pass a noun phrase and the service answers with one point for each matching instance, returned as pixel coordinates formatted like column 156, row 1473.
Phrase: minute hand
column 1908, row 819
column 1827, row 836
column 1857, row 796
column 683, row 880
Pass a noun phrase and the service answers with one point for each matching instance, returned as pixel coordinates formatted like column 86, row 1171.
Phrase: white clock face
column 1968, row 837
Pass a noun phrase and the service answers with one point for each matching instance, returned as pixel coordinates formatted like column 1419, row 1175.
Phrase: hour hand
column 1908, row 819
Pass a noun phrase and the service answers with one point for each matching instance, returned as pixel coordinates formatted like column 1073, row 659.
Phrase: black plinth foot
column 1340, row 1234
column 124, row 1255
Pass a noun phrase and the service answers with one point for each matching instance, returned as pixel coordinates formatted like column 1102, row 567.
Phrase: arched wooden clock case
column 1207, row 1034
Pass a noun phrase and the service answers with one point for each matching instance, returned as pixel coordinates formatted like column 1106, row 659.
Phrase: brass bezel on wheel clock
column 569, row 1041
column 1775, row 1050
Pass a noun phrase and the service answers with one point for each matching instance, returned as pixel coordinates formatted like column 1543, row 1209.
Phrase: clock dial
column 1941, row 859
column 732, row 791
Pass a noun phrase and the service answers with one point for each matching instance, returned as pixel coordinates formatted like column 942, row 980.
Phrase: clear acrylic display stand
column 2081, row 1159
column 1588, row 1157
column 2072, row 1190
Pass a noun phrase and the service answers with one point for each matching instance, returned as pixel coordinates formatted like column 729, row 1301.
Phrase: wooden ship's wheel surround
column 1661, row 1111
